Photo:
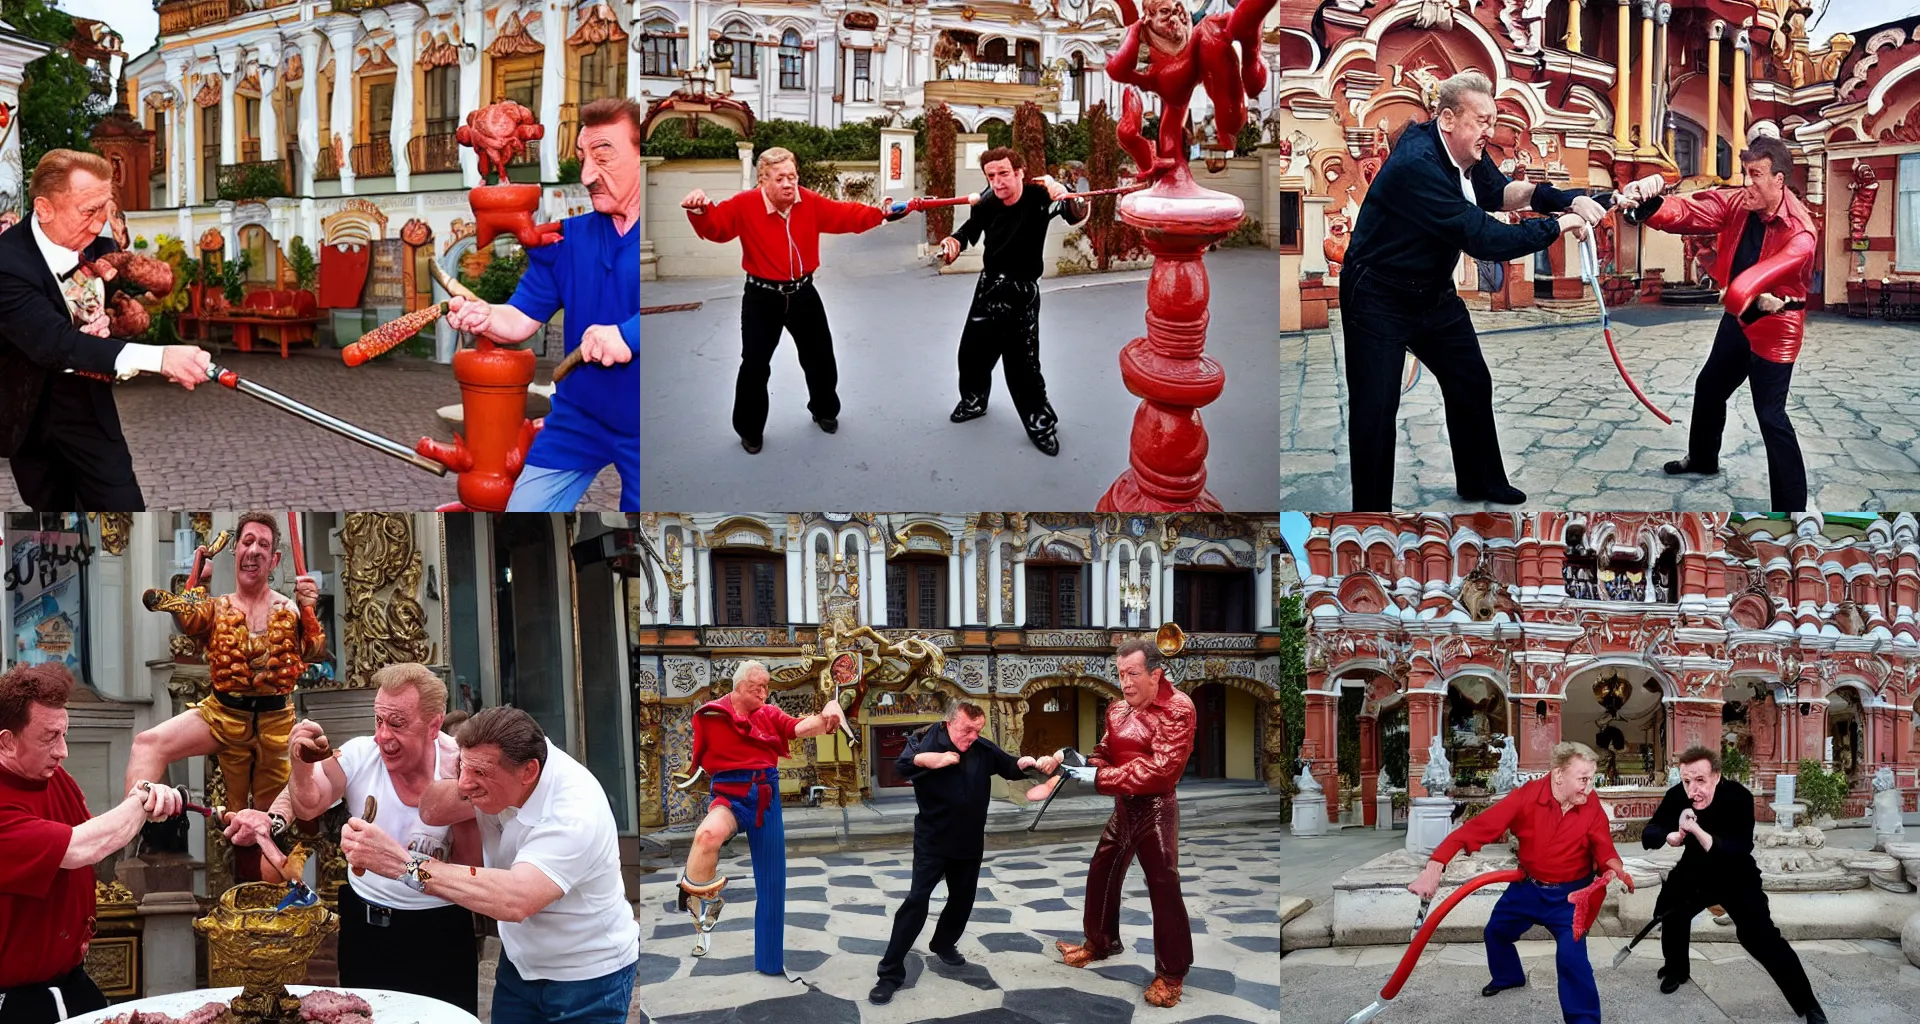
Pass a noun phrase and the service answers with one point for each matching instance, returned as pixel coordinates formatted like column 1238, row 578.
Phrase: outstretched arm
column 1700, row 213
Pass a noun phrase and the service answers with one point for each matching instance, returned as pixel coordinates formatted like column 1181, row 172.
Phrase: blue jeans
column 1525, row 904
column 602, row 1000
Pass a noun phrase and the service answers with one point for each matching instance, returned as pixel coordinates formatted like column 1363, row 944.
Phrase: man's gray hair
column 1453, row 91
column 968, row 708
column 1146, row 648
column 774, row 156
column 748, row 667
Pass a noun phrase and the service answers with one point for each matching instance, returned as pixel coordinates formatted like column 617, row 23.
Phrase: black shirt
column 1728, row 819
column 953, row 800
column 1415, row 221
column 1016, row 234
column 1751, row 238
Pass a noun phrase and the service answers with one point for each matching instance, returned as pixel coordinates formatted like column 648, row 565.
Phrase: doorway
column 1053, row 721
column 1209, row 760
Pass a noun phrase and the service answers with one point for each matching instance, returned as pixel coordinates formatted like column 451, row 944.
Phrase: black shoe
column 827, row 423
column 1043, row 429
column 950, row 957
column 882, row 992
column 1491, row 988
column 1669, row 985
column 1679, row 466
column 752, row 447
column 1504, row 494
column 969, row 409
column 1815, row 1015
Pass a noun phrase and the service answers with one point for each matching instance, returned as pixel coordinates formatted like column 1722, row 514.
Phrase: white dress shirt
column 134, row 357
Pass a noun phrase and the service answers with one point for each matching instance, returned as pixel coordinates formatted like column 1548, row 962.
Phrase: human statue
column 1673, row 775
column 1438, row 778
column 1163, row 52
column 1306, row 782
column 1506, row 777
column 1887, row 812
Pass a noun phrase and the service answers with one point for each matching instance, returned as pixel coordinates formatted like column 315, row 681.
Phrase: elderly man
column 58, row 423
column 1138, row 762
column 593, row 274
column 1432, row 199
column 1563, row 841
column 552, row 877
column 952, row 770
column 1764, row 254
column 258, row 643
column 1712, row 817
column 738, row 740
column 49, row 844
column 391, row 936
column 779, row 225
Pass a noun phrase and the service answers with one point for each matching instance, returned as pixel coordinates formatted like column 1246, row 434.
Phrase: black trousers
column 1731, row 363
column 425, row 952
column 33, row 1004
column 74, row 457
column 962, row 878
column 1752, row 925
column 764, row 313
column 1383, row 320
column 1003, row 326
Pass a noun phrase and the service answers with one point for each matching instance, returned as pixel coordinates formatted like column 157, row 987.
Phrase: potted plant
column 306, row 269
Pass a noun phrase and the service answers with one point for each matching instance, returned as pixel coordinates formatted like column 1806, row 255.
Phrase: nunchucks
column 1621, row 957
column 1069, row 757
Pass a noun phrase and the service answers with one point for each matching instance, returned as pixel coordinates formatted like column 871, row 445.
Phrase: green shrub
column 306, row 269
column 669, row 140
column 570, row 171
column 233, row 278
column 1246, row 235
column 1734, row 765
column 1823, row 792
column 1249, row 138
column 496, row 283
column 253, row 181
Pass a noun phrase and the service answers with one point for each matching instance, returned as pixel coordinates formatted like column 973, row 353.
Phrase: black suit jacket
column 1728, row 819
column 38, row 341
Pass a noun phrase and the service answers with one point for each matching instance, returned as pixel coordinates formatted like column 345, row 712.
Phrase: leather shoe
column 1815, row 1015
column 882, row 992
column 968, row 409
column 1678, row 466
column 1504, row 494
column 752, row 447
column 950, row 957
column 1490, row 988
column 1670, row 984
column 827, row 423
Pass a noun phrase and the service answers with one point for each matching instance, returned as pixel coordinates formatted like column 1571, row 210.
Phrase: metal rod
column 386, row 445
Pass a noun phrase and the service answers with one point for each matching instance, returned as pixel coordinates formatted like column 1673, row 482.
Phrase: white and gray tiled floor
column 840, row 912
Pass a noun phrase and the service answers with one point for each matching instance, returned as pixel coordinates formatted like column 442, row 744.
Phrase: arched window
column 1077, row 79
column 746, row 55
column 790, row 71
column 259, row 251
column 659, row 49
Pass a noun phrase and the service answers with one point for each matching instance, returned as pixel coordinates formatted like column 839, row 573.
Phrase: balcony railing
column 254, row 179
column 326, row 167
column 373, row 159
column 177, row 16
column 981, row 71
column 436, row 151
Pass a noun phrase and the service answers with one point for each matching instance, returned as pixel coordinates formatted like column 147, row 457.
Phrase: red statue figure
column 1178, row 219
column 1866, row 187
column 498, row 133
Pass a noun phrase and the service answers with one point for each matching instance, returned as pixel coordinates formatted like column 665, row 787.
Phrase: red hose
column 1628, row 377
column 1412, row 955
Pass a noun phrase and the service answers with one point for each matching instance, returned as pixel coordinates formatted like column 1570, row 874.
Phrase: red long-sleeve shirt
column 776, row 247
column 723, row 740
column 1145, row 750
column 1785, row 267
column 1555, row 845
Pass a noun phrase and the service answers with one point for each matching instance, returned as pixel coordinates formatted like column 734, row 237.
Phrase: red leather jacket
column 1785, row 267
column 1145, row 750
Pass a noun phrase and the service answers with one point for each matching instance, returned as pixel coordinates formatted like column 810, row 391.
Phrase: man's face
column 1468, row 129
column 1005, row 179
column 963, row 730
column 493, row 786
column 404, row 734
column 74, row 218
column 35, row 752
column 1573, row 783
column 1136, row 683
column 1763, row 187
column 781, row 182
column 1700, row 780
column 610, row 167
column 1169, row 22
column 255, row 556
column 751, row 693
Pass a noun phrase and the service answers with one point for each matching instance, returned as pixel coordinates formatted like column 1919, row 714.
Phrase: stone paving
column 215, row 448
column 1571, row 432
column 840, row 910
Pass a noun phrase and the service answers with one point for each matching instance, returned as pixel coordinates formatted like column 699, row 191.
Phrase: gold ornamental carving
column 251, row 944
column 597, row 25
column 439, row 53
column 114, row 529
column 209, row 94
column 513, row 39
column 385, row 623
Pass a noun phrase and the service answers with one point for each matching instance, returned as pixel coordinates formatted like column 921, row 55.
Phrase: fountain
column 261, row 949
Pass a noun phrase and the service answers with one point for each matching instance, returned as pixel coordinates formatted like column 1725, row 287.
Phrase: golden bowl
column 250, row 945
column 1170, row 639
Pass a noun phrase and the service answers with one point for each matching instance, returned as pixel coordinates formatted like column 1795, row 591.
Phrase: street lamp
column 1133, row 597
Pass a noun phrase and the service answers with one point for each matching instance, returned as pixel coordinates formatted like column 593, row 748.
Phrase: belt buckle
column 379, row 917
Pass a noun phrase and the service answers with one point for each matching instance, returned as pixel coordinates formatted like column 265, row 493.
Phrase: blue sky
column 1853, row 15
column 1293, row 527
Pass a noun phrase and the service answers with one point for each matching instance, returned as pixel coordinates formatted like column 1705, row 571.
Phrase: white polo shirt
column 567, row 831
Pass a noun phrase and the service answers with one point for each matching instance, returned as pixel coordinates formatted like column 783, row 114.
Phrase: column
column 553, row 85
column 969, row 586
column 182, row 193
column 1715, row 32
column 1573, row 26
column 1741, row 49
column 1662, row 15
column 1163, row 595
column 1648, row 130
column 405, row 20
column 1098, row 591
column 633, row 58
column 267, row 53
column 229, row 58
column 1263, row 592
column 703, row 557
column 796, row 573
column 308, row 132
column 470, row 30
column 1622, row 64
column 341, row 31
column 1020, row 587
column 996, row 615
column 954, row 572
column 877, row 582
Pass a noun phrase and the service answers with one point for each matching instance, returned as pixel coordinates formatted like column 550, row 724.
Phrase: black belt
column 257, row 705
column 783, row 287
column 1366, row 274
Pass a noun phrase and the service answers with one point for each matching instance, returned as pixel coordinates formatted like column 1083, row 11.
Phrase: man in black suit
column 952, row 772
column 1713, row 818
column 1432, row 199
column 58, row 423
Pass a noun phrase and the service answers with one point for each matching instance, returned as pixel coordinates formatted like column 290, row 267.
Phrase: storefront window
column 533, row 676
column 46, row 581
column 1906, row 246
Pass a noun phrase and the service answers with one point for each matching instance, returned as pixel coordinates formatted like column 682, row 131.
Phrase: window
column 1029, row 56
column 159, row 139
column 532, row 638
column 46, row 580
column 1686, row 152
column 522, row 86
column 379, row 109
column 603, row 71
column 917, row 593
column 863, row 76
column 1290, row 237
column 443, row 100
column 1213, row 600
column 464, row 573
column 659, row 50
column 790, row 77
column 259, row 251
column 249, row 129
column 1054, row 596
column 1077, row 79
column 746, row 55
column 1906, row 246
column 748, row 590
column 1723, row 158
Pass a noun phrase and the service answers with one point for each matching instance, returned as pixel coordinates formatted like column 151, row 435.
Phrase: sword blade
column 385, row 445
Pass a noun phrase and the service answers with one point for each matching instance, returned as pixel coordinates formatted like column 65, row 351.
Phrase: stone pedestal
column 1310, row 815
column 1910, row 940
column 167, row 942
column 1428, row 823
column 1887, row 824
column 1383, row 810
column 156, row 873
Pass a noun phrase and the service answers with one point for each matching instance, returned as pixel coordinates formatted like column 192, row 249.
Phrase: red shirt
column 1145, row 750
column 1555, row 845
column 722, row 740
column 1785, row 269
column 781, row 248
column 46, row 914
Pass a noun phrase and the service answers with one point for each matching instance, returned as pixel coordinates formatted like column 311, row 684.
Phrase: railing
column 980, row 71
column 326, row 167
column 356, row 6
column 254, row 179
column 437, row 151
column 372, row 159
column 177, row 16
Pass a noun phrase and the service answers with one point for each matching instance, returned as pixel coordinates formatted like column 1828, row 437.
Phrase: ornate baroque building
column 1591, row 93
column 1020, row 612
column 1639, row 634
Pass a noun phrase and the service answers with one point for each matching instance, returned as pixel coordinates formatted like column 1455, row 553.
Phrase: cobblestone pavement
column 840, row 913
column 1571, row 432
column 215, row 448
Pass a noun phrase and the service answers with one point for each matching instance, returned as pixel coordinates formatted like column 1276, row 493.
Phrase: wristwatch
column 279, row 824
column 416, row 875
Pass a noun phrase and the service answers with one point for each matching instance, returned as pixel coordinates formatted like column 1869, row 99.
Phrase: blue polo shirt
column 594, row 274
